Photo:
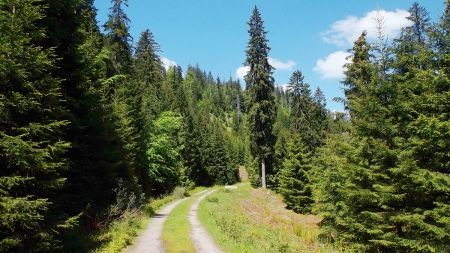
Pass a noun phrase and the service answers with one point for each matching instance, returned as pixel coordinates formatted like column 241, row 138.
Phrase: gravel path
column 150, row 240
column 202, row 240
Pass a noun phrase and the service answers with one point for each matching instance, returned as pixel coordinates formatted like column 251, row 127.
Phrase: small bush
column 212, row 199
column 180, row 192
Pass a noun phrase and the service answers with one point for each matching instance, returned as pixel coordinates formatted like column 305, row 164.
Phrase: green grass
column 121, row 233
column 247, row 220
column 176, row 231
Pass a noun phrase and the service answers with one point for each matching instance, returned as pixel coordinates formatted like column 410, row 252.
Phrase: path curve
column 150, row 240
column 202, row 240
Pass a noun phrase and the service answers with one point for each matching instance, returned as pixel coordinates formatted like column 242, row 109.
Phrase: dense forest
column 87, row 116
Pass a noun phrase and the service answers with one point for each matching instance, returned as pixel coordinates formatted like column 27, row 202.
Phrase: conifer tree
column 294, row 180
column 260, row 87
column 118, row 37
column 393, row 199
column 144, row 96
column 319, row 119
column 301, row 108
column 31, row 125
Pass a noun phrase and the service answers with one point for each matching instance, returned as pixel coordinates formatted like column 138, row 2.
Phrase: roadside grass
column 121, row 232
column 247, row 220
column 176, row 231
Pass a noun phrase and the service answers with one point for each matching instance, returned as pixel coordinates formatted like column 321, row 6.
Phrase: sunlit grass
column 176, row 231
column 243, row 220
column 121, row 233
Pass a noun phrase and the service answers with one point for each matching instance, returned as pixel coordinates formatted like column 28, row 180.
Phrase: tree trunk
column 263, row 173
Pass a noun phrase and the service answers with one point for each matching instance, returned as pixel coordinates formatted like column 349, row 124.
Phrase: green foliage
column 164, row 153
column 385, row 186
column 79, row 113
column 118, row 38
column 31, row 125
column 259, row 80
column 294, row 179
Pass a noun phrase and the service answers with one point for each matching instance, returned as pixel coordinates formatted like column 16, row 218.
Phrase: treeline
column 379, row 177
column 86, row 115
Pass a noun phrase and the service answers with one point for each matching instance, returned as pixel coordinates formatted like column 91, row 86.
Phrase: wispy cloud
column 346, row 31
column 332, row 66
column 280, row 65
column 167, row 63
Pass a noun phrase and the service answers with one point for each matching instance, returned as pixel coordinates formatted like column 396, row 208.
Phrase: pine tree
column 31, row 125
column 120, row 97
column 301, row 108
column 319, row 119
column 118, row 37
column 144, row 95
column 294, row 177
column 260, row 87
column 395, row 194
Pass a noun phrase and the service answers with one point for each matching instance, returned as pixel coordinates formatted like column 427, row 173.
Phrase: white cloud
column 332, row 66
column 280, row 65
column 242, row 71
column 167, row 63
column 346, row 31
column 277, row 64
column 283, row 86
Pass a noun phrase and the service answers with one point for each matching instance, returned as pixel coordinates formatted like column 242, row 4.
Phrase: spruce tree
column 31, row 125
column 301, row 108
column 319, row 120
column 395, row 194
column 118, row 37
column 294, row 179
column 144, row 96
column 260, row 86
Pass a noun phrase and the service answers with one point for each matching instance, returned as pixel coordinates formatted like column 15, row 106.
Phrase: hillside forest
column 90, row 117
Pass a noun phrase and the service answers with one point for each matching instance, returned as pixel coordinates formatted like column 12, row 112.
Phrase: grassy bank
column 248, row 220
column 122, row 232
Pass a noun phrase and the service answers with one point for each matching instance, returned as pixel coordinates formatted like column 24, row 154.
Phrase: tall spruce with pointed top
column 260, row 85
column 301, row 107
column 118, row 37
column 144, row 92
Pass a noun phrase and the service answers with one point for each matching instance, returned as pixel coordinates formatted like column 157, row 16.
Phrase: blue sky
column 311, row 36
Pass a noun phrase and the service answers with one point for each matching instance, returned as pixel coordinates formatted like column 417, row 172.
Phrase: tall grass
column 126, row 227
column 257, row 229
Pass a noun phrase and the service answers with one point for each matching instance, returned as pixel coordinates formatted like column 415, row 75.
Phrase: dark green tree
column 319, row 119
column 118, row 38
column 294, row 179
column 144, row 96
column 31, row 126
column 260, row 86
column 396, row 192
column 301, row 108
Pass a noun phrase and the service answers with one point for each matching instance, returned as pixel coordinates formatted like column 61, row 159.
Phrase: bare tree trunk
column 263, row 173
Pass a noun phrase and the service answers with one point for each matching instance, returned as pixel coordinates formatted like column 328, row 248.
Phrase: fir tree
column 294, row 177
column 144, row 92
column 118, row 37
column 262, row 103
column 31, row 125
column 301, row 108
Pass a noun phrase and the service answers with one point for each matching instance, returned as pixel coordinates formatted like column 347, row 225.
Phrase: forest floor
column 240, row 219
